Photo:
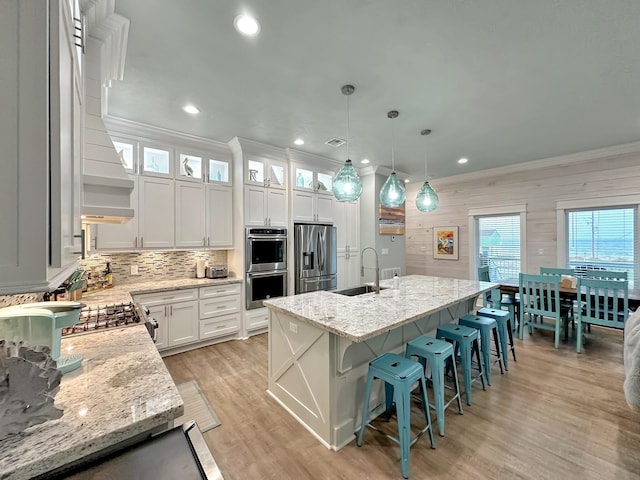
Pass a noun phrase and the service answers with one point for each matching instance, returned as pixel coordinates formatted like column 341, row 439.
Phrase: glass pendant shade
column 392, row 193
column 427, row 199
column 347, row 185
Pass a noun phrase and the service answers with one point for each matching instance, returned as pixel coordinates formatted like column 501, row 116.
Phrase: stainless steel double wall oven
column 265, row 264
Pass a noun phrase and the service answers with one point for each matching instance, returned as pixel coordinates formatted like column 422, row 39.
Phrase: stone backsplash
column 151, row 266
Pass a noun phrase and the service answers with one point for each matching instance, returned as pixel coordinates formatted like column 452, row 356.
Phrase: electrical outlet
column 293, row 327
column 385, row 251
column 541, row 251
column 134, row 270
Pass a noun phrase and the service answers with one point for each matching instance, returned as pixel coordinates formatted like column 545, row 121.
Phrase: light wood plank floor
column 553, row 415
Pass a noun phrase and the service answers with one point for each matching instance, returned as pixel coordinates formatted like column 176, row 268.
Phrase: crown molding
column 141, row 131
column 310, row 158
column 245, row 146
column 569, row 159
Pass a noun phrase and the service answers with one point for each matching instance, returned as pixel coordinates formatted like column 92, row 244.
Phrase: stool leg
column 466, row 372
column 437, row 376
column 456, row 385
column 476, row 349
column 388, row 398
column 403, row 408
column 486, row 356
column 503, row 334
column 499, row 352
column 425, row 406
column 511, row 345
column 365, row 408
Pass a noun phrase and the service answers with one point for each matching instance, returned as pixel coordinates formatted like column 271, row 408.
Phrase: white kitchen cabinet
column 265, row 206
column 156, row 160
column 178, row 310
column 257, row 319
column 219, row 172
column 220, row 307
column 309, row 206
column 219, row 216
column 41, row 94
column 155, row 212
column 347, row 223
column 190, row 214
column 189, row 167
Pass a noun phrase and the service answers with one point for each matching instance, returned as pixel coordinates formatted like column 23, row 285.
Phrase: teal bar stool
column 399, row 374
column 503, row 318
column 466, row 341
column 437, row 353
column 486, row 326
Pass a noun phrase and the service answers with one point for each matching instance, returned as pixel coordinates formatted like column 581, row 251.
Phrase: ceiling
column 498, row 81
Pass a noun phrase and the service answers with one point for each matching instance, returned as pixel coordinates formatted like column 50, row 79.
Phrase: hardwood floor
column 553, row 415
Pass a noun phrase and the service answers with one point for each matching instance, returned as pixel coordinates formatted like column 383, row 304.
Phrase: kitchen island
column 121, row 393
column 320, row 344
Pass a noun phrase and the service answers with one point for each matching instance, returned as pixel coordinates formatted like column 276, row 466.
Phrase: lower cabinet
column 219, row 310
column 257, row 318
column 183, row 323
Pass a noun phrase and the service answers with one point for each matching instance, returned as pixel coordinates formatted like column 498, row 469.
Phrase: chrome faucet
column 362, row 267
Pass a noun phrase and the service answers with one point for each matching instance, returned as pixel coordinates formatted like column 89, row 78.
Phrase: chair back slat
column 540, row 294
column 605, row 275
column 603, row 302
column 556, row 271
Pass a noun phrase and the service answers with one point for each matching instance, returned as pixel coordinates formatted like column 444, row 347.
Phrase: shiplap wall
column 539, row 185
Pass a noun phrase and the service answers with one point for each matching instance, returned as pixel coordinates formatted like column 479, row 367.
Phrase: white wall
column 540, row 184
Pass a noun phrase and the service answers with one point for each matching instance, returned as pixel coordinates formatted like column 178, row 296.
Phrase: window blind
column 498, row 245
column 603, row 239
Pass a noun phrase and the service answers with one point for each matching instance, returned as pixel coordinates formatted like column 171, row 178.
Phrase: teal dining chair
column 540, row 299
column 601, row 302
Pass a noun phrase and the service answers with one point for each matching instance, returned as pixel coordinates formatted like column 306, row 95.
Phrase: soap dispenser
column 396, row 281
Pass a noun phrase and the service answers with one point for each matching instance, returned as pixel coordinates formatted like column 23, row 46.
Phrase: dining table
column 512, row 286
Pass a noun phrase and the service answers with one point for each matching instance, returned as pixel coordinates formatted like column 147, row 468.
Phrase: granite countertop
column 121, row 390
column 365, row 316
column 122, row 293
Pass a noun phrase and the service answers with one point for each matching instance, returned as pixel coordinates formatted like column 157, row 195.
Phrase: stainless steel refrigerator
column 315, row 257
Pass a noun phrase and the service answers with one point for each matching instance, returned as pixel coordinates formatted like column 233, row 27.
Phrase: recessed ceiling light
column 364, row 160
column 463, row 160
column 246, row 25
column 298, row 141
column 191, row 109
column 406, row 180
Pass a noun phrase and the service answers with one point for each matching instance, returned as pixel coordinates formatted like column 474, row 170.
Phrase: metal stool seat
column 466, row 341
column 486, row 326
column 437, row 353
column 399, row 374
column 503, row 318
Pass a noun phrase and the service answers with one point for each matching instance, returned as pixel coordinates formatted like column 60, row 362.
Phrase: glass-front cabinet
column 267, row 173
column 190, row 167
column 317, row 181
column 156, row 160
column 219, row 171
column 127, row 151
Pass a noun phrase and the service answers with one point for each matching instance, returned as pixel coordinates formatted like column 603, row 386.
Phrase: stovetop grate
column 104, row 316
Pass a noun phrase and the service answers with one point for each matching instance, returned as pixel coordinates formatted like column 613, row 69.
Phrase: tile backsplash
column 152, row 265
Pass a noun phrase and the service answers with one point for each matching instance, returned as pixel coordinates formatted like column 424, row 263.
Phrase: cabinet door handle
column 204, row 241
column 135, row 242
column 209, row 241
column 141, row 242
column 171, row 311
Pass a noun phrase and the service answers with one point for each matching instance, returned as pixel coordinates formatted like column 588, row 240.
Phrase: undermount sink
column 362, row 289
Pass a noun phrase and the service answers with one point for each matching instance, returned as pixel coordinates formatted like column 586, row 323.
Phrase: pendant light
column 392, row 193
column 427, row 199
column 347, row 185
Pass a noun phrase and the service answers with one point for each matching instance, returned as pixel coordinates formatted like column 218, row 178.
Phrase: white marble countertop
column 122, row 293
column 365, row 316
column 121, row 390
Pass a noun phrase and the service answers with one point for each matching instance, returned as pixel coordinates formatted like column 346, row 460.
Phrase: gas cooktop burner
column 102, row 317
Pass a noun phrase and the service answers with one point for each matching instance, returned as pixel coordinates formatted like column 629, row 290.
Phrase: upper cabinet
column 190, row 167
column 264, row 172
column 219, row 171
column 156, row 160
column 41, row 137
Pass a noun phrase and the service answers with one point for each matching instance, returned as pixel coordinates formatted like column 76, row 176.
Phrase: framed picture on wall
column 445, row 243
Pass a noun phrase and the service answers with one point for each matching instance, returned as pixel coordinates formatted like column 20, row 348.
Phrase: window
column 602, row 239
column 498, row 245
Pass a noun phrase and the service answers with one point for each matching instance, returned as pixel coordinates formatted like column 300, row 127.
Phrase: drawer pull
column 220, row 326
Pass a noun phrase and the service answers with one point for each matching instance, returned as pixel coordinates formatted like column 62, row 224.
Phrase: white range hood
column 107, row 188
